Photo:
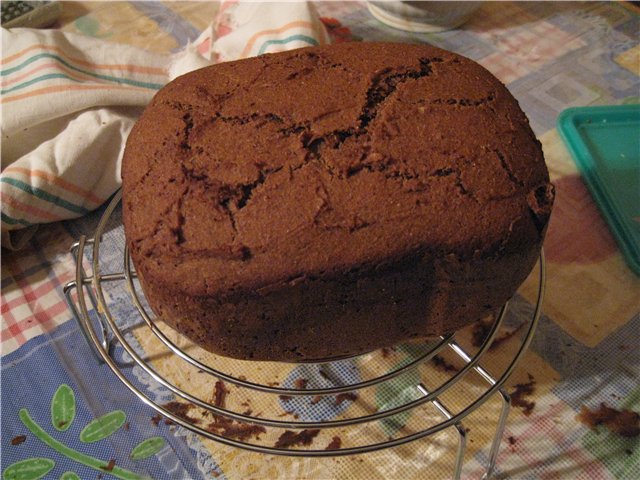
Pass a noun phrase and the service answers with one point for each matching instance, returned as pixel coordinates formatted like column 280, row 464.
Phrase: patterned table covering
column 551, row 56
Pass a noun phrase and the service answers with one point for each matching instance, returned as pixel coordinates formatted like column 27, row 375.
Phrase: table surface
column 585, row 352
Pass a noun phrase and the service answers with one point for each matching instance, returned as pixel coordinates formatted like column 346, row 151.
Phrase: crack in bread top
column 329, row 159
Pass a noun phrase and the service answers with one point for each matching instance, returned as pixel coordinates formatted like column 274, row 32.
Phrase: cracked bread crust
column 328, row 201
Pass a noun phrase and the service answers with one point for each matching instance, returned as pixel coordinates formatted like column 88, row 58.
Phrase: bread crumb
column 522, row 389
column 219, row 394
column 341, row 397
column 18, row 440
column 300, row 383
column 290, row 438
column 335, row 444
column 180, row 410
column 109, row 467
column 625, row 423
column 443, row 364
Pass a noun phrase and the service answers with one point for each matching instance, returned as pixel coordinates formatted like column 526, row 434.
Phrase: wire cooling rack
column 383, row 399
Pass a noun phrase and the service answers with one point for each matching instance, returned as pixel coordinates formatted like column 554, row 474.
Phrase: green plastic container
column 605, row 144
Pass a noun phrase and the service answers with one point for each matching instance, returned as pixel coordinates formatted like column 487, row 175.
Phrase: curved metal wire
column 471, row 362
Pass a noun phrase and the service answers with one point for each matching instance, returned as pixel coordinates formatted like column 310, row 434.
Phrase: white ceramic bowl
column 423, row 17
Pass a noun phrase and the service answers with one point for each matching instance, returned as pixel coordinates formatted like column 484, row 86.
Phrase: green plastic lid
column 605, row 144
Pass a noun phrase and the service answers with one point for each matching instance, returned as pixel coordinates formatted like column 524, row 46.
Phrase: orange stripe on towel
column 62, row 88
column 29, row 209
column 60, row 182
column 127, row 67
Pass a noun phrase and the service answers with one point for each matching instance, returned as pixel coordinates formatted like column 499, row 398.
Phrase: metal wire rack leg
column 504, row 411
column 497, row 440
column 462, row 433
column 82, row 281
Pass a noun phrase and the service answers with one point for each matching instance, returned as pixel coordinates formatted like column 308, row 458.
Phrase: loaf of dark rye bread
column 328, row 201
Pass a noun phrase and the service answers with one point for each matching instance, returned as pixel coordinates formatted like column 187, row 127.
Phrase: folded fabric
column 69, row 102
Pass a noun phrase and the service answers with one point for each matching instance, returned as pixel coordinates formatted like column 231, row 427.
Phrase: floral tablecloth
column 64, row 415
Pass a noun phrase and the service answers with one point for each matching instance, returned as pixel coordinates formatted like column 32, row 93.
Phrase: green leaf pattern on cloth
column 61, row 448
column 147, row 447
column 395, row 393
column 63, row 408
column 69, row 476
column 63, row 412
column 29, row 469
column 103, row 427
